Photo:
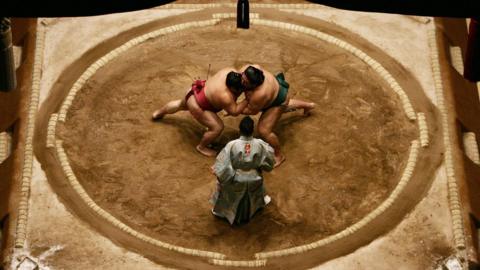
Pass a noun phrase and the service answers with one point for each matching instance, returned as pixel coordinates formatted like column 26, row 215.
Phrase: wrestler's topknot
column 234, row 81
column 255, row 76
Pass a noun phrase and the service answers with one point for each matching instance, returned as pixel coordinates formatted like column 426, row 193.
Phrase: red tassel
column 198, row 85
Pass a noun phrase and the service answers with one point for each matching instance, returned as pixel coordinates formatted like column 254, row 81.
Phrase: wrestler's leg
column 209, row 119
column 265, row 128
column 170, row 108
column 295, row 104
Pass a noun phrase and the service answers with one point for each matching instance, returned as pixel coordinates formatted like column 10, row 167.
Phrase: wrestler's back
column 216, row 89
column 267, row 92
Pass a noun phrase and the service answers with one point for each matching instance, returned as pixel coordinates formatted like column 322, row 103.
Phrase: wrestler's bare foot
column 157, row 115
column 206, row 151
column 306, row 111
column 279, row 159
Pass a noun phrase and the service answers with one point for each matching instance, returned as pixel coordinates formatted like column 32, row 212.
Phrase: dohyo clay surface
column 364, row 184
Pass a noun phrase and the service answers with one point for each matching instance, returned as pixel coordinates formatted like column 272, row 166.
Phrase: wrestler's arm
column 250, row 111
column 253, row 107
column 235, row 109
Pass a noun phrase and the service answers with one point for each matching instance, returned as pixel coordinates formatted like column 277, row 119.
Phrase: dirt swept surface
column 342, row 161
